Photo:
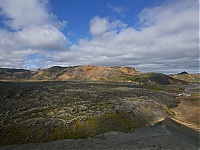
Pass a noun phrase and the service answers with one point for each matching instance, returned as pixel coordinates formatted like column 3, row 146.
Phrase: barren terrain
column 99, row 115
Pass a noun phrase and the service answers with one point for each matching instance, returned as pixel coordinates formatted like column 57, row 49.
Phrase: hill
column 7, row 70
column 92, row 73
column 156, row 79
column 87, row 72
column 187, row 77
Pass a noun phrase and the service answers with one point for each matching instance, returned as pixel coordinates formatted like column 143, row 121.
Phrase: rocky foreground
column 34, row 112
column 167, row 134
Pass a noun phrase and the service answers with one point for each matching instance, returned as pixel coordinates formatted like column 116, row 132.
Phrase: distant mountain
column 89, row 72
column 8, row 70
column 184, row 72
column 13, row 74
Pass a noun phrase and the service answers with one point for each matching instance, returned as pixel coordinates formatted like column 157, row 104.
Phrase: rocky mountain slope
column 89, row 72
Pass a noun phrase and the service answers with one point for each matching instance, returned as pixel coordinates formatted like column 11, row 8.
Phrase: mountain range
column 89, row 72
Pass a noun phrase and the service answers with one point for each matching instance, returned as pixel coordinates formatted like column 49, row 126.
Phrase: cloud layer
column 165, row 38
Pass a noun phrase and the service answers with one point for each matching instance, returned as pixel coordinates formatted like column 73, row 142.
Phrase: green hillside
column 187, row 77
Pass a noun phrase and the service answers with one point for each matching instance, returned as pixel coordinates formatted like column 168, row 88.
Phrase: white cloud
column 116, row 9
column 99, row 26
column 45, row 37
column 166, row 42
column 30, row 28
column 22, row 13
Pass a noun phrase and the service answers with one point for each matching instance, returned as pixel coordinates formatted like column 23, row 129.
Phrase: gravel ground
column 167, row 134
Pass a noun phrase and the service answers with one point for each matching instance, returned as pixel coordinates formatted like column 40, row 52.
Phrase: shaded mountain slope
column 156, row 79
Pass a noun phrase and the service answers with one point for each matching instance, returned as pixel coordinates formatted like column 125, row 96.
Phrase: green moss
column 122, row 77
column 14, row 134
column 80, row 129
column 103, row 106
column 115, row 122
column 155, row 88
column 166, row 88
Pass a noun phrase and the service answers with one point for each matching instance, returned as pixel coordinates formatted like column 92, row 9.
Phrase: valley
column 92, row 105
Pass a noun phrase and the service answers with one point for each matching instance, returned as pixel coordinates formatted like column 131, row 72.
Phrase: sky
column 149, row 35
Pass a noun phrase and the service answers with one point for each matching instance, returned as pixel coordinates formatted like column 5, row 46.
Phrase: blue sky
column 150, row 35
column 79, row 13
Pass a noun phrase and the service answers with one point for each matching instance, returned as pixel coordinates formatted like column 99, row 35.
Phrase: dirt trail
column 188, row 111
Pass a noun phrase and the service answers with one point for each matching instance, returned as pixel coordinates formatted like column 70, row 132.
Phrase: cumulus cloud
column 99, row 26
column 166, row 40
column 29, row 28
column 21, row 13
column 45, row 37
